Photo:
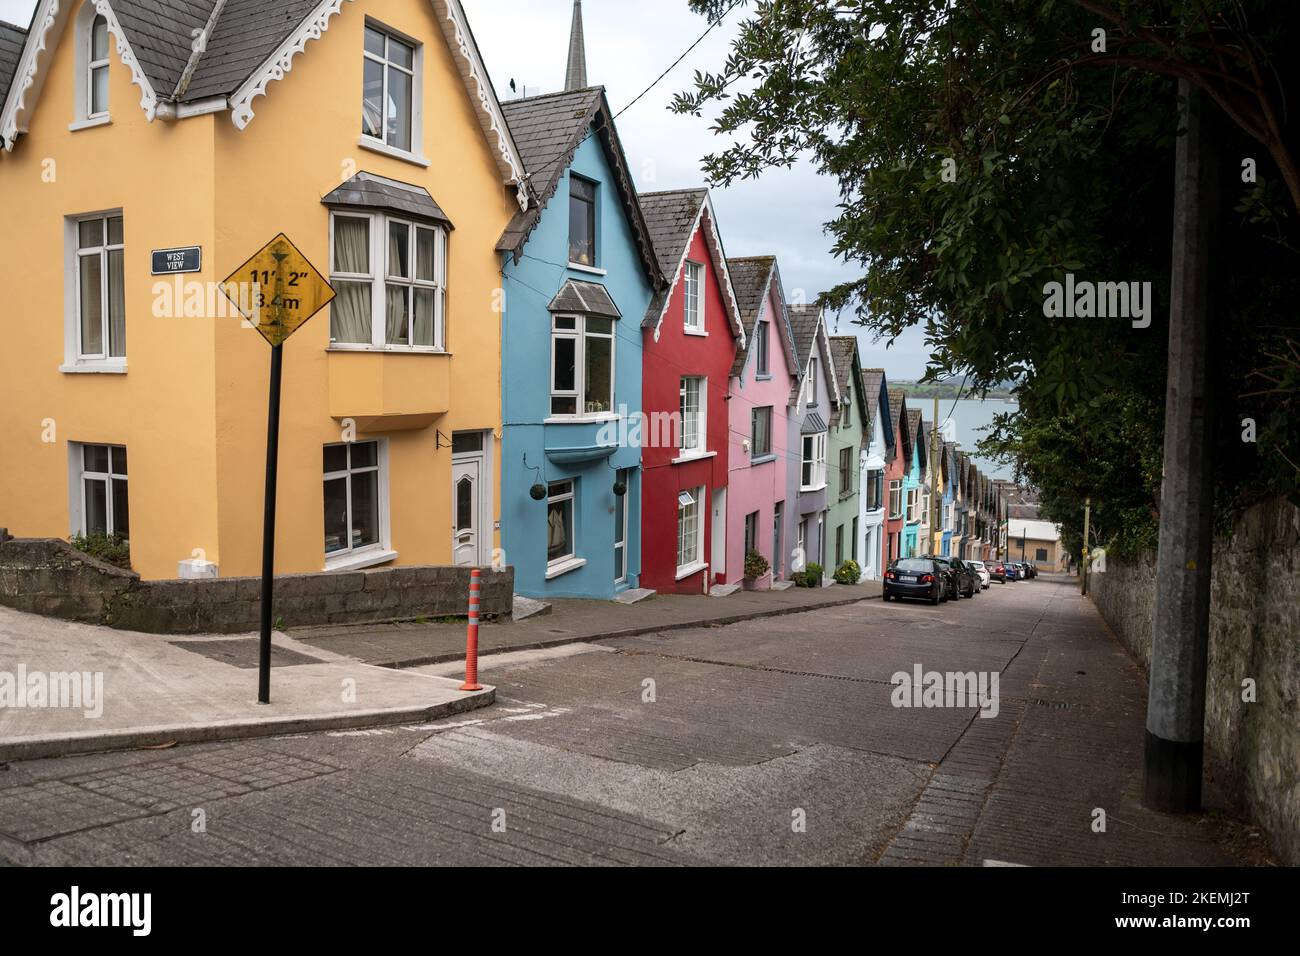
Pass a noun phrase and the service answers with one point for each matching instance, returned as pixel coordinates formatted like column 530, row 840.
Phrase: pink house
column 758, row 401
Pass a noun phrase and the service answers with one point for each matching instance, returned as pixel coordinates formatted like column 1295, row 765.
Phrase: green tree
column 986, row 148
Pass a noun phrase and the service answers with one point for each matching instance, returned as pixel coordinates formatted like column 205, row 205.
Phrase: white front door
column 719, row 532
column 466, row 513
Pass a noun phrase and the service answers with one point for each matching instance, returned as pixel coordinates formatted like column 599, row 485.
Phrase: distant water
column 971, row 419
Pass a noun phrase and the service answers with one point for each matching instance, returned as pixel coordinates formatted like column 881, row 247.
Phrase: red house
column 690, row 337
column 898, row 460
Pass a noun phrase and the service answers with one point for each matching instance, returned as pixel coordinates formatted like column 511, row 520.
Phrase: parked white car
column 982, row 570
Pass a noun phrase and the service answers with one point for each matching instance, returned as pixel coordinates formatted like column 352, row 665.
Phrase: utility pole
column 1181, row 622
column 1087, row 522
column 936, row 499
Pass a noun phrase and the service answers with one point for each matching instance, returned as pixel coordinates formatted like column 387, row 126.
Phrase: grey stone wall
column 48, row 576
column 1253, row 748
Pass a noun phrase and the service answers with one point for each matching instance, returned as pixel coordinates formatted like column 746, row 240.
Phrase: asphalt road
column 769, row 742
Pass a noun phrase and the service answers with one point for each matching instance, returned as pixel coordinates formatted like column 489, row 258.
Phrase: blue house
column 949, row 482
column 579, row 272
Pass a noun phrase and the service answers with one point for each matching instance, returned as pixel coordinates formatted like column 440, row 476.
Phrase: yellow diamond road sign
column 278, row 290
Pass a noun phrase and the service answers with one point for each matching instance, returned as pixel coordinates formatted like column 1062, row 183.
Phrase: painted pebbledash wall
column 677, row 478
column 190, row 403
column 591, row 451
column 758, row 483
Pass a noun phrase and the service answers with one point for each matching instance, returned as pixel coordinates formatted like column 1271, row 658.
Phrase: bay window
column 813, row 475
column 582, row 365
column 389, row 276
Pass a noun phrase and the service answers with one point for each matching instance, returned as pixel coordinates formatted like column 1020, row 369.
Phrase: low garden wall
column 48, row 576
column 1253, row 748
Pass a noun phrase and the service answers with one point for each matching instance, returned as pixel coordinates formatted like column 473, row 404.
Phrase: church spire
column 575, row 76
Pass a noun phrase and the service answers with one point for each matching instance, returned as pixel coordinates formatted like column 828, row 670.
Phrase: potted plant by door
column 758, row 575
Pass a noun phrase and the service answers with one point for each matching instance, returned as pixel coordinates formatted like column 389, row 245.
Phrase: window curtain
column 350, row 311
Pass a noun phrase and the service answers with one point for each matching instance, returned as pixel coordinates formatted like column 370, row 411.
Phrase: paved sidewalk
column 123, row 690
column 570, row 622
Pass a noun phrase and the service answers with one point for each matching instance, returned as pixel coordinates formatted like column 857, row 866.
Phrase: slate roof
column 670, row 217
column 872, row 380
column 914, row 426
column 803, row 324
column 751, row 279
column 584, row 298
column 843, row 349
column 369, row 191
column 898, row 417
column 11, row 48
column 547, row 131
column 161, row 37
column 813, row 424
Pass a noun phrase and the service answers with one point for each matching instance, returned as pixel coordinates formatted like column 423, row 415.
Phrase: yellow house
column 140, row 146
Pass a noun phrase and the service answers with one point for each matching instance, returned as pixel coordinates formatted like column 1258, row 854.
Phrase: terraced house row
column 527, row 361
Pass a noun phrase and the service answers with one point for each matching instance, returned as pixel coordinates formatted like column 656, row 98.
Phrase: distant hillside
column 950, row 389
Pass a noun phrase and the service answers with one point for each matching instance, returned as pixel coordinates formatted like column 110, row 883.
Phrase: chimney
column 575, row 76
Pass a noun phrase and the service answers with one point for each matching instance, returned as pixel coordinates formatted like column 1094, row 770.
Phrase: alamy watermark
column 925, row 689
column 1083, row 299
column 74, row 690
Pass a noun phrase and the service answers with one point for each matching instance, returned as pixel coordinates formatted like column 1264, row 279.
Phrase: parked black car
column 919, row 578
column 968, row 580
column 958, row 577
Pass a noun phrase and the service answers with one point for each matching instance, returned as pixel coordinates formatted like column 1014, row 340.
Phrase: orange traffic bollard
column 471, row 638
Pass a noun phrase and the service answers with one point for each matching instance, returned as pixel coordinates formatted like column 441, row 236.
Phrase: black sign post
column 298, row 291
column 268, row 525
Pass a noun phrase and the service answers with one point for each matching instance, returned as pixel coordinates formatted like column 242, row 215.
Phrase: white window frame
column 701, row 444
column 367, row 555
column 926, row 502
column 380, row 143
column 624, row 475
column 895, row 492
column 693, row 298
column 77, row 486
column 580, row 335
column 92, row 65
column 809, row 394
column 567, row 562
column 913, row 498
column 378, row 277
column 74, row 360
column 814, row 464
column 85, row 67
column 697, row 502
column 763, row 355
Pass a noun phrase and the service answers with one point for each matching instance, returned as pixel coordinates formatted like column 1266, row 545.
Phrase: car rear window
column 914, row 564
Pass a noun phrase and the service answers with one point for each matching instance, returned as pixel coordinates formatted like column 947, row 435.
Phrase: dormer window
column 97, row 69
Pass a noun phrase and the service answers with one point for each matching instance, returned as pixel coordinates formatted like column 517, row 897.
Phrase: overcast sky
column 628, row 45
